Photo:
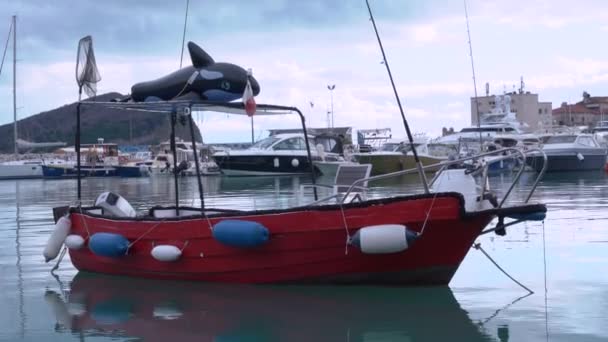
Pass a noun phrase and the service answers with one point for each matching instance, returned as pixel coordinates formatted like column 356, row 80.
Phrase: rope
column 545, row 273
column 345, row 227
column 144, row 234
column 10, row 29
column 185, row 245
column 428, row 213
column 478, row 247
column 84, row 222
column 59, row 260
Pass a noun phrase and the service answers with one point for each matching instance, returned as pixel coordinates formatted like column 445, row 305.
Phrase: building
column 526, row 106
column 583, row 113
column 575, row 115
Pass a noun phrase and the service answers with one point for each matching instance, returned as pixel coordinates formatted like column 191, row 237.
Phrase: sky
column 297, row 48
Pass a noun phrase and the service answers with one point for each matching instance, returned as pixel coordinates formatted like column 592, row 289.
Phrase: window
column 265, row 143
column 587, row 141
column 540, row 111
column 560, row 139
column 291, row 144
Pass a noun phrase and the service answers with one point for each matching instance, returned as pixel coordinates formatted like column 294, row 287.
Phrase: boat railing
column 502, row 154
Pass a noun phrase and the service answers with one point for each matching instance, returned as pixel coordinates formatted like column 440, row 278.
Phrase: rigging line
column 545, row 272
column 8, row 38
column 407, row 127
column 181, row 58
column 478, row 247
column 466, row 14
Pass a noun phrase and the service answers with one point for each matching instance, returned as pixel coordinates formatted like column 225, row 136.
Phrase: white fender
column 53, row 245
column 167, row 312
column 382, row 239
column 74, row 241
column 166, row 253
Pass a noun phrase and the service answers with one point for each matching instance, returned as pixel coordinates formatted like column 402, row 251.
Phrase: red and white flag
column 248, row 99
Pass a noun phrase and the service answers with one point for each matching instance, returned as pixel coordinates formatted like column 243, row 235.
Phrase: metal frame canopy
column 184, row 109
column 197, row 105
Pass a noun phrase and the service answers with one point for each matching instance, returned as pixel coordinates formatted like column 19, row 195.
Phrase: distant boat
column 570, row 152
column 27, row 168
column 281, row 154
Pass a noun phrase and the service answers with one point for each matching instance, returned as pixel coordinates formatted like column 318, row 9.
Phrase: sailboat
column 27, row 168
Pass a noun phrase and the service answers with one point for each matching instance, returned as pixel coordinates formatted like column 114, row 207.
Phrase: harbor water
column 563, row 260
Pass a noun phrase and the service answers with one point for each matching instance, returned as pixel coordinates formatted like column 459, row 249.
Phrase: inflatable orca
column 205, row 80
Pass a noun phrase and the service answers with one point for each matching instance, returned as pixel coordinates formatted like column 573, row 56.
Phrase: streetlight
column 331, row 94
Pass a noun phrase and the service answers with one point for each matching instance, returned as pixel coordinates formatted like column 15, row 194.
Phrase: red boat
column 406, row 240
column 306, row 245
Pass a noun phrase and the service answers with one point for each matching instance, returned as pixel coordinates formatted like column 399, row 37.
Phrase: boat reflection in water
column 118, row 307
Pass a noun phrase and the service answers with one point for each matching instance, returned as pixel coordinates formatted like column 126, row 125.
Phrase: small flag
column 248, row 99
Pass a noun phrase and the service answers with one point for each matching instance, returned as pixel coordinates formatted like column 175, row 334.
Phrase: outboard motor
column 182, row 166
column 115, row 205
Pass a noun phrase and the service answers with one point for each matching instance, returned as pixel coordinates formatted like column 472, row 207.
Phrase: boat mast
column 15, row 83
column 407, row 127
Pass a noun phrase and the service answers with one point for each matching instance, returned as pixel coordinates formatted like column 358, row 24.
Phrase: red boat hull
column 306, row 245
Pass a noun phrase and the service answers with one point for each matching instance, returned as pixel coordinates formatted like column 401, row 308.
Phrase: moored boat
column 570, row 152
column 304, row 244
column 403, row 240
column 281, row 154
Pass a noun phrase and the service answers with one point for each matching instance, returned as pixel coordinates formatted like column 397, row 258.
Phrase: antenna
column 181, row 58
column 466, row 15
column 407, row 127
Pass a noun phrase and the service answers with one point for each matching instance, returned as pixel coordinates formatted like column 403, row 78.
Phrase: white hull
column 229, row 172
column 23, row 171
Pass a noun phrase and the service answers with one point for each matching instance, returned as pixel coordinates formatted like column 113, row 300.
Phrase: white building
column 529, row 111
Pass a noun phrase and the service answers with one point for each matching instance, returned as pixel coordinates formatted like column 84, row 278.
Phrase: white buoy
column 580, row 156
column 295, row 162
column 276, row 162
column 383, row 239
column 166, row 253
column 55, row 241
column 74, row 241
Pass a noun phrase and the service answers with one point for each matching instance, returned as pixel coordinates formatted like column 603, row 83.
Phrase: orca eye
column 225, row 85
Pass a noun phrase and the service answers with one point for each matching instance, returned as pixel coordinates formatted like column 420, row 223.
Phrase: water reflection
column 182, row 311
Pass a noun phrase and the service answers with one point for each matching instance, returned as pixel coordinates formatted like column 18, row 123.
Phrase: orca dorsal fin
column 199, row 57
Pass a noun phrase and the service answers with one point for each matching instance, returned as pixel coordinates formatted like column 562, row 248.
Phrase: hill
column 114, row 125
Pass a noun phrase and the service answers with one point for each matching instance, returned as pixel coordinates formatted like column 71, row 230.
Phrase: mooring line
column 478, row 247
column 546, row 291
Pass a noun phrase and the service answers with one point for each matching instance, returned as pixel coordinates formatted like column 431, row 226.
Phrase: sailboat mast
column 15, row 83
